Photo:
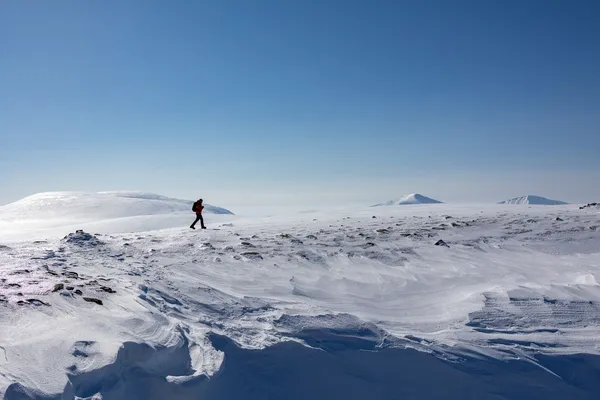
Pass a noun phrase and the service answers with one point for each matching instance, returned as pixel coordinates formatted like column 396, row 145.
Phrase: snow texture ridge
column 533, row 200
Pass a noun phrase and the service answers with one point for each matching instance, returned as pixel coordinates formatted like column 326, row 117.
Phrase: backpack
column 194, row 206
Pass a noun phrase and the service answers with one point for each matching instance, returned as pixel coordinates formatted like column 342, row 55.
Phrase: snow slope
column 158, row 311
column 39, row 215
column 533, row 200
column 413, row 198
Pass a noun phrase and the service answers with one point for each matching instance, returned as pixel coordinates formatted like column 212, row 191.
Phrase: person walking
column 197, row 208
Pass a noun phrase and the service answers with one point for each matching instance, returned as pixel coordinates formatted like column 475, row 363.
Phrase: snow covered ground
column 152, row 314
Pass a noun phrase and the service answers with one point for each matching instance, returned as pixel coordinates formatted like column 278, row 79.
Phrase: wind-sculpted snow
column 89, row 314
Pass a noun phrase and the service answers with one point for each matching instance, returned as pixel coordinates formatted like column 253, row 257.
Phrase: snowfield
column 159, row 314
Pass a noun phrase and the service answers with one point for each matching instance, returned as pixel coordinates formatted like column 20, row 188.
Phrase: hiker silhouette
column 197, row 208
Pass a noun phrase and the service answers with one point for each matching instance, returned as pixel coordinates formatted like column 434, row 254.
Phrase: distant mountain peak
column 413, row 198
column 533, row 200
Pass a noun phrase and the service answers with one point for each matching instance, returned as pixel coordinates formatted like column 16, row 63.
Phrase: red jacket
column 199, row 209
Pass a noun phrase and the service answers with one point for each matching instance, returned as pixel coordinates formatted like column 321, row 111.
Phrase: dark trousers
column 198, row 218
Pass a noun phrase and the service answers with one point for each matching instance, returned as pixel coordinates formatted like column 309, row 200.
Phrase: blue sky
column 302, row 102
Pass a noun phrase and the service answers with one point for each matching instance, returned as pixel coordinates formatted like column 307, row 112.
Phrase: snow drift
column 413, row 198
column 533, row 200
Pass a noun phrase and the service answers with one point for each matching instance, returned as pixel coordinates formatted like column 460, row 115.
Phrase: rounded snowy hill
column 533, row 200
column 413, row 198
column 101, row 205
column 104, row 212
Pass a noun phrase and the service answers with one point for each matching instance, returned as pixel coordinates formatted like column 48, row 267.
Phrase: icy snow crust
column 514, row 282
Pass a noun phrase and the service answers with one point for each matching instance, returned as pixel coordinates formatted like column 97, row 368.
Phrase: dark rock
column 312, row 257
column 48, row 270
column 21, row 272
column 253, row 255
column 79, row 292
column 313, row 237
column 57, row 287
column 70, row 288
column 247, row 244
column 441, row 243
column 93, row 300
column 383, row 231
column 374, row 217
column 71, row 274
column 590, row 205
column 559, row 219
column 455, row 225
column 107, row 289
column 33, row 302
column 13, row 285
column 368, row 244
column 81, row 238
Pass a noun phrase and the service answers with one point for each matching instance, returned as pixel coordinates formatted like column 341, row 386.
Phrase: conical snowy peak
column 533, row 200
column 413, row 198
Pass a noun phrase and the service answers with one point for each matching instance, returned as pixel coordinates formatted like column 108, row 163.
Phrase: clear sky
column 302, row 101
